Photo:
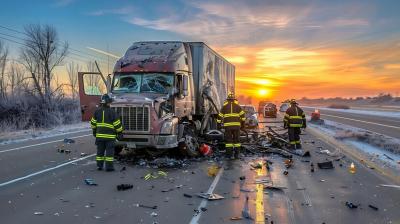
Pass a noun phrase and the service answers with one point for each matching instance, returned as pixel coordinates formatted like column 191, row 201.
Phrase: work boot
column 228, row 153
column 237, row 153
column 292, row 147
column 99, row 168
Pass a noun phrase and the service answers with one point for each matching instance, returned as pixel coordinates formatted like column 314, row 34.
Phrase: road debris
column 90, row 182
column 373, row 207
column 272, row 187
column 352, row 168
column 242, row 178
column 38, row 213
column 187, row 195
column 165, row 162
column 210, row 197
column 124, row 187
column 146, row 206
column 288, row 163
column 154, row 214
column 312, row 167
column 236, row 218
column 285, row 172
column 83, row 154
column 325, row 165
column 351, row 205
column 212, row 170
column 69, row 141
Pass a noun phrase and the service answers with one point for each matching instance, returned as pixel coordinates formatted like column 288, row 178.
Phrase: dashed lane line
column 203, row 203
column 44, row 171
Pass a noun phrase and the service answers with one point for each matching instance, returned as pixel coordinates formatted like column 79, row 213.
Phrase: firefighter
column 106, row 127
column 231, row 118
column 294, row 119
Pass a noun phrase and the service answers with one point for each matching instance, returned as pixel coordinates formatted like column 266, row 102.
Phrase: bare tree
column 17, row 80
column 94, row 81
column 3, row 63
column 41, row 53
column 72, row 70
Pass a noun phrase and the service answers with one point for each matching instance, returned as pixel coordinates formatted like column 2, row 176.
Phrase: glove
column 94, row 132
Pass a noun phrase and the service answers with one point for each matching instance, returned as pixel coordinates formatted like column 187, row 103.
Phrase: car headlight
column 167, row 127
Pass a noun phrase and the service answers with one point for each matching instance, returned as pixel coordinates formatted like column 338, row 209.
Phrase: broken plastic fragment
column 90, row 182
column 351, row 205
column 210, row 197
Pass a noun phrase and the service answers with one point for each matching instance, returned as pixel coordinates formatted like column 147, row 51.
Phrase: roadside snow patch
column 20, row 136
column 391, row 114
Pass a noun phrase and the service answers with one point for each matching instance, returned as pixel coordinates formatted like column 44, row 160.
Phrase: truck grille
column 135, row 118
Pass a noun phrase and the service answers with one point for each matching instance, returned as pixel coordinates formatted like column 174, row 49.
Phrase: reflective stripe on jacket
column 106, row 123
column 295, row 117
column 231, row 115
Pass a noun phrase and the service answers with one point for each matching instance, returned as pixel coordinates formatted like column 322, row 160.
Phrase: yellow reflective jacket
column 294, row 117
column 231, row 115
column 105, row 123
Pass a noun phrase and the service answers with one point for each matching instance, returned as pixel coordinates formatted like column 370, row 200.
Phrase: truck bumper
column 149, row 141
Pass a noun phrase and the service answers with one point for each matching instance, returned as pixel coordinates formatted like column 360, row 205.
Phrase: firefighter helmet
column 231, row 96
column 293, row 101
column 105, row 99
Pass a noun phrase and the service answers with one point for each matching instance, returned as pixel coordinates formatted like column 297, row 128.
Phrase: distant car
column 261, row 106
column 284, row 107
column 251, row 116
column 270, row 110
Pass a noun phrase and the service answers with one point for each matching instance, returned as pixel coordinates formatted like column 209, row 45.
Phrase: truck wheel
column 189, row 147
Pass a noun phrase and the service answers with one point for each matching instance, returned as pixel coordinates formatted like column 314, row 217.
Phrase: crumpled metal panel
column 153, row 56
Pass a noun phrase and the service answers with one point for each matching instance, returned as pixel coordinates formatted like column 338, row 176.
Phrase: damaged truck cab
column 166, row 93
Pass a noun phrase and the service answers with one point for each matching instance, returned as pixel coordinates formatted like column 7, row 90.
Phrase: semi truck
column 167, row 94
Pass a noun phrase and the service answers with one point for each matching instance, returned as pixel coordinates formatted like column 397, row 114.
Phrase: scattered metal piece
column 210, row 197
column 124, row 187
column 388, row 157
column 271, row 187
column 83, row 154
column 68, row 141
column 285, row 172
column 187, row 195
column 90, row 182
column 242, row 178
column 351, row 205
column 154, row 214
column 38, row 213
column 326, row 165
column 312, row 167
column 236, row 218
column 373, row 207
column 146, row 206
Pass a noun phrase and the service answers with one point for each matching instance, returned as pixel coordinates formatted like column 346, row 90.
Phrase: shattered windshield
column 143, row 83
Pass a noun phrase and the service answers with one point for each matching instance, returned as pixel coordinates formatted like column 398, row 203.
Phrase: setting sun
column 262, row 92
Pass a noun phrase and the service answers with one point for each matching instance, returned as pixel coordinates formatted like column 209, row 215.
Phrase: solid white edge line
column 43, row 143
column 44, row 171
column 367, row 122
column 195, row 219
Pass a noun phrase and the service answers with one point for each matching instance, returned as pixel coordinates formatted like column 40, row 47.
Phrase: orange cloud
column 285, row 71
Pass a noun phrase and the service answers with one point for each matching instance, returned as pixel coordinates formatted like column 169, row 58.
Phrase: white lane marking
column 44, row 171
column 367, row 122
column 43, row 143
column 203, row 204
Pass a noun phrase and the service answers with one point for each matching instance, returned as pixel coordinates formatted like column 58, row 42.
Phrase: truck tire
column 189, row 146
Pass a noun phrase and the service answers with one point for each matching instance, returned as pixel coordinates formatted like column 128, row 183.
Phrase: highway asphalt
column 389, row 126
column 40, row 185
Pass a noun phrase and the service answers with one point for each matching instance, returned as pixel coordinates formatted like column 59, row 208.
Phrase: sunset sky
column 281, row 49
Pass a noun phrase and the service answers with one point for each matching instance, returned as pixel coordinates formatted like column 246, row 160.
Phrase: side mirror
column 185, row 88
column 108, row 83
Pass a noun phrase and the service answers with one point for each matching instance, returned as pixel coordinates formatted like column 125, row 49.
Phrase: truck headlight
column 167, row 127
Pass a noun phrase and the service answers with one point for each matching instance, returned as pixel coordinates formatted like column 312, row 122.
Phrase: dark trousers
column 294, row 138
column 105, row 153
column 232, row 144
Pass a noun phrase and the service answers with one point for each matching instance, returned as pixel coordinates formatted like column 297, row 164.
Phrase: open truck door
column 92, row 86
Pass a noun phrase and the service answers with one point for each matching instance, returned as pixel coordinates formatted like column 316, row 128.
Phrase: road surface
column 35, row 178
column 389, row 126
